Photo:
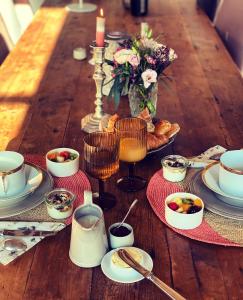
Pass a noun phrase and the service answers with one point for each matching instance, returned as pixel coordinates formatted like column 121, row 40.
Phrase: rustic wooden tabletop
column 44, row 93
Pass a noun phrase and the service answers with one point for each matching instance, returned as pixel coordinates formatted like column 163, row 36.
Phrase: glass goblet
column 133, row 148
column 101, row 161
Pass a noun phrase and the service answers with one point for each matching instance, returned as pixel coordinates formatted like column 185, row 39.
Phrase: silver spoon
column 130, row 208
column 14, row 245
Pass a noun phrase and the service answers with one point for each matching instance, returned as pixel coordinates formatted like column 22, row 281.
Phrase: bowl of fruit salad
column 184, row 210
column 62, row 162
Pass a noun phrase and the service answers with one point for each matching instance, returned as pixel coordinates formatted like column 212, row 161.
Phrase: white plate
column 34, row 178
column 210, row 177
column 30, row 201
column 116, row 276
column 211, row 202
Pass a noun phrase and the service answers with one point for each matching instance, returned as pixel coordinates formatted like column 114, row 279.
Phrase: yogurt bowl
column 59, row 203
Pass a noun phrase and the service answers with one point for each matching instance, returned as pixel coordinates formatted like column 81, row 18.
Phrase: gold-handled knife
column 127, row 258
column 26, row 232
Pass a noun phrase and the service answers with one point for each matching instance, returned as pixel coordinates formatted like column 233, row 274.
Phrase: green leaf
column 150, row 106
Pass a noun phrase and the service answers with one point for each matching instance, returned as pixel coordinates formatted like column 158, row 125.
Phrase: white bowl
column 231, row 173
column 180, row 220
column 63, row 169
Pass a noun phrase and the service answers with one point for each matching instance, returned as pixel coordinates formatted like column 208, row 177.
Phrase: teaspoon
column 130, row 208
column 14, row 245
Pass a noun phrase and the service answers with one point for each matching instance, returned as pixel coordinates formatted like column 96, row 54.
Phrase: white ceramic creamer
column 88, row 238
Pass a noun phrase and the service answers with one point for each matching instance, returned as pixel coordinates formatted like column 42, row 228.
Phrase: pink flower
column 149, row 76
column 122, row 56
column 134, row 60
column 150, row 60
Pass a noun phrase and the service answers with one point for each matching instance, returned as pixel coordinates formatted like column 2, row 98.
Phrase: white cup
column 121, row 241
column 12, row 173
column 231, row 173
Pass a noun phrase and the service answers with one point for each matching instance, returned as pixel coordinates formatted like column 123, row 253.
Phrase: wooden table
column 45, row 93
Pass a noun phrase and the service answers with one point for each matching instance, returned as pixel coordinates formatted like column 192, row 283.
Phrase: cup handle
column 88, row 198
column 4, row 183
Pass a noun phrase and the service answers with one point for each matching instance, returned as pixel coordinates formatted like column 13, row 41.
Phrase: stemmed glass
column 133, row 148
column 101, row 161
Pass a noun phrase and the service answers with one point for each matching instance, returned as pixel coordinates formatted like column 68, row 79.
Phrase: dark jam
column 121, row 231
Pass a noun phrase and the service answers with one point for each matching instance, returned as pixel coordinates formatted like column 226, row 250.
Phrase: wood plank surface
column 44, row 93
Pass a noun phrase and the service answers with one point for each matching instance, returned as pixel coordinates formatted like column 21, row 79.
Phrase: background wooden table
column 44, row 94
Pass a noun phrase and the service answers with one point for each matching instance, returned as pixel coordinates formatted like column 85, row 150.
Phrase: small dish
column 183, row 220
column 59, row 203
column 123, row 237
column 174, row 167
column 210, row 177
column 125, row 278
column 34, row 177
column 64, row 168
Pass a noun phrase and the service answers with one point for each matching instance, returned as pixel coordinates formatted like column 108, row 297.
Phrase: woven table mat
column 214, row 229
column 76, row 184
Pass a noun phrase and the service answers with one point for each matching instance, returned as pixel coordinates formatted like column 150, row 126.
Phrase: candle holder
column 81, row 7
column 90, row 123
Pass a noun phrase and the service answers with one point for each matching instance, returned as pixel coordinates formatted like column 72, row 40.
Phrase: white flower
column 149, row 76
column 150, row 43
column 122, row 56
column 134, row 60
column 172, row 55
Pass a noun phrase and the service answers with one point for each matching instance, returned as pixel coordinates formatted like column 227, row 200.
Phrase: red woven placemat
column 157, row 191
column 76, row 183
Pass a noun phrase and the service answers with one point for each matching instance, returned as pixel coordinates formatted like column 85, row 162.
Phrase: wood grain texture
column 44, row 93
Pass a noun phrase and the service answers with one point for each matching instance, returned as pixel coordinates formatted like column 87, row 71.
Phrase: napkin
column 7, row 256
column 207, row 157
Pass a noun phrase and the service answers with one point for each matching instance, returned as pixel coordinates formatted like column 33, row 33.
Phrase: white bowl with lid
column 180, row 220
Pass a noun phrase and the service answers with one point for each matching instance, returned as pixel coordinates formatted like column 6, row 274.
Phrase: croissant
column 175, row 128
column 162, row 127
column 154, row 142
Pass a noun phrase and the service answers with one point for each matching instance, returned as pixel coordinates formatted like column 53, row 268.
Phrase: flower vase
column 139, row 102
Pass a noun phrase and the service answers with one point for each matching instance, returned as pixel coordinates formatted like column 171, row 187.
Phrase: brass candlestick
column 90, row 123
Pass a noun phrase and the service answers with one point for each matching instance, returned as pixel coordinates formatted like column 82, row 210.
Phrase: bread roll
column 175, row 128
column 162, row 127
column 111, row 123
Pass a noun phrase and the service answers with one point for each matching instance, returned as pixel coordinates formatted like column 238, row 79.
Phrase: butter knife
column 127, row 258
column 26, row 232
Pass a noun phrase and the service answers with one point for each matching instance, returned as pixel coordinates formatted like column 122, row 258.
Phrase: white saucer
column 34, row 177
column 119, row 277
column 210, row 177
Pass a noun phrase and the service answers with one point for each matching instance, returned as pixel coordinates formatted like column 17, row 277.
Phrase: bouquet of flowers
column 138, row 63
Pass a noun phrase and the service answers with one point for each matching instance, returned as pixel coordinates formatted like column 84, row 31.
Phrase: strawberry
column 65, row 154
column 173, row 206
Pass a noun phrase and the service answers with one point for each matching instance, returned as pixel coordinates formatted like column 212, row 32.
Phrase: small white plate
column 34, row 178
column 118, row 277
column 210, row 177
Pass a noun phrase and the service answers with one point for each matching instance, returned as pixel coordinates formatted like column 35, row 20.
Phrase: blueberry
column 193, row 209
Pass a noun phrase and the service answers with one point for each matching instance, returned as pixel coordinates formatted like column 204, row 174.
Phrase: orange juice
column 131, row 150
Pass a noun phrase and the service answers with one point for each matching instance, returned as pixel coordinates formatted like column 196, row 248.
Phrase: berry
column 65, row 154
column 173, row 206
column 193, row 209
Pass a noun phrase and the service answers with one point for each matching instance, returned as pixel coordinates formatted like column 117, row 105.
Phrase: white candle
column 100, row 30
